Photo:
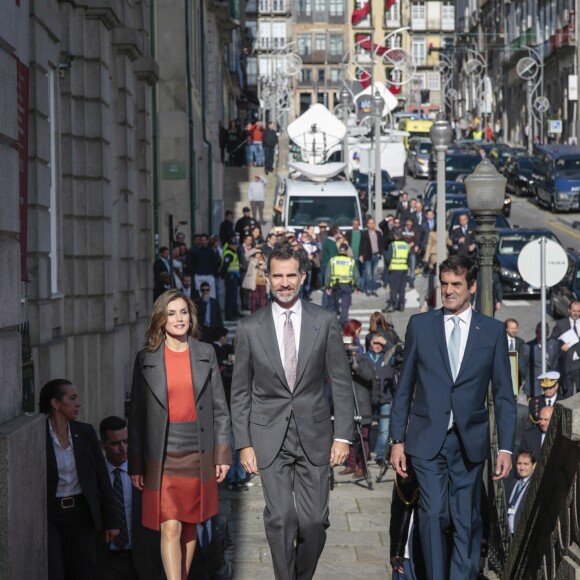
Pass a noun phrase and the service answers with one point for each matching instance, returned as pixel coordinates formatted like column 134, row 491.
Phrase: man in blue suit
column 439, row 418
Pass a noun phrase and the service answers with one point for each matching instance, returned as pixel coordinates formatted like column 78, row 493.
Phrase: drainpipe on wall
column 203, row 114
column 155, row 133
column 189, row 86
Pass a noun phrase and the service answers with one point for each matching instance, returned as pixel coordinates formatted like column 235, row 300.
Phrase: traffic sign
column 554, row 125
column 530, row 263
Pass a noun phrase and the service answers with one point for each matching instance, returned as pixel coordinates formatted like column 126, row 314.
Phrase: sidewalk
column 357, row 544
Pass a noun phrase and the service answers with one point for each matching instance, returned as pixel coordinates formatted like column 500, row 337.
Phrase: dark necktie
column 519, row 488
column 512, row 344
column 549, row 402
column 122, row 540
column 574, row 328
column 290, row 358
column 207, row 320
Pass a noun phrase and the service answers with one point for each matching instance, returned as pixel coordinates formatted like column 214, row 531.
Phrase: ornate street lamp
column 485, row 195
column 345, row 100
column 377, row 108
column 441, row 135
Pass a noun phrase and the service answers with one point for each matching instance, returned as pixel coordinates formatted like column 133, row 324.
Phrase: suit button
column 287, row 418
column 202, row 429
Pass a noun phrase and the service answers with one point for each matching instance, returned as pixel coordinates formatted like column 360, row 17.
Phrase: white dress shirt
column 68, row 479
column 279, row 315
column 512, row 515
column 127, row 498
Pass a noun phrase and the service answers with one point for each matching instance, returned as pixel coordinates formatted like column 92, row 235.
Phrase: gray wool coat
column 148, row 417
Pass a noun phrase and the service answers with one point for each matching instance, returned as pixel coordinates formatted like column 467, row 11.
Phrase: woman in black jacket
column 80, row 495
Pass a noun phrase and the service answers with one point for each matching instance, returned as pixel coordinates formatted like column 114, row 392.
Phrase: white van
column 308, row 202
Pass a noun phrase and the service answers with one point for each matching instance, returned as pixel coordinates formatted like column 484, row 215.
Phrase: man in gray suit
column 281, row 417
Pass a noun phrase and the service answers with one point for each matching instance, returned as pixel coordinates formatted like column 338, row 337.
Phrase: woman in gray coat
column 179, row 430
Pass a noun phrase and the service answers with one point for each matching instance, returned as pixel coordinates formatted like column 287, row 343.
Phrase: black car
column 518, row 172
column 452, row 219
column 457, row 162
column 452, row 201
column 511, row 242
column 430, row 192
column 390, row 192
column 568, row 288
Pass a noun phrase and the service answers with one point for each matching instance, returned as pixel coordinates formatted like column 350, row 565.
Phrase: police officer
column 339, row 279
column 397, row 257
column 230, row 272
column 549, row 382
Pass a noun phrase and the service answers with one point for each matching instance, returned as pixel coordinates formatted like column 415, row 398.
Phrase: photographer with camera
column 362, row 386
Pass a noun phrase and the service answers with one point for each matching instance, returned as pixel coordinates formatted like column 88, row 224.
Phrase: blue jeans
column 258, row 154
column 412, row 264
column 383, row 432
column 370, row 284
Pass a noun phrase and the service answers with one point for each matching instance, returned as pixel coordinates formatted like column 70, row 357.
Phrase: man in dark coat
column 463, row 238
column 246, row 223
column 209, row 315
column 533, row 361
column 270, row 140
column 549, row 384
column 569, row 353
column 369, row 254
column 227, row 231
column 534, row 436
column 213, row 558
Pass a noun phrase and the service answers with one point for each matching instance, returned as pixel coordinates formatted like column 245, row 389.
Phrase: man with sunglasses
column 209, row 313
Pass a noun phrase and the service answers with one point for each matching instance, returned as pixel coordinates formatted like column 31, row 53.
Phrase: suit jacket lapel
column 200, row 368
column 439, row 327
column 472, row 338
column 154, row 373
column 308, row 333
column 269, row 342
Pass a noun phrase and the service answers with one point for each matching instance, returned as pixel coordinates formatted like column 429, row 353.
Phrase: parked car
column 511, row 241
column 390, row 192
column 418, row 157
column 568, row 289
column 518, row 171
column 557, row 177
column 430, row 192
column 452, row 201
column 452, row 219
column 457, row 162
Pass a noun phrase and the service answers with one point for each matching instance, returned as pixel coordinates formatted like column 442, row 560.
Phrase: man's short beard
column 285, row 299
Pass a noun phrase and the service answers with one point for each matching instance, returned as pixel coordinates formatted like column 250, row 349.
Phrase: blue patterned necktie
column 122, row 540
column 519, row 488
column 453, row 346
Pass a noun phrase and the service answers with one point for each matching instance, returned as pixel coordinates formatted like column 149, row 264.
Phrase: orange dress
column 181, row 486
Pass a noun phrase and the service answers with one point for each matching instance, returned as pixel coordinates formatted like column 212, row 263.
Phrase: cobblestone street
column 357, row 544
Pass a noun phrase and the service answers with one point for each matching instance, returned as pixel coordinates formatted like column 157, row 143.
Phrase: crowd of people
column 144, row 497
column 252, row 144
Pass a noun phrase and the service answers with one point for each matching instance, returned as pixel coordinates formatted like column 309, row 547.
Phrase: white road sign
column 530, row 259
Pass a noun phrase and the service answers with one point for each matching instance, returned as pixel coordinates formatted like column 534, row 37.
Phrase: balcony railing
column 546, row 542
column 419, row 24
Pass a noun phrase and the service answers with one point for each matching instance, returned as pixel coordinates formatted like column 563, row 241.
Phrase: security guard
column 549, row 382
column 397, row 257
column 339, row 279
column 230, row 272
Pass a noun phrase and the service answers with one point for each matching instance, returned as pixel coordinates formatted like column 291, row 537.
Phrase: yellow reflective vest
column 400, row 255
column 234, row 265
column 341, row 270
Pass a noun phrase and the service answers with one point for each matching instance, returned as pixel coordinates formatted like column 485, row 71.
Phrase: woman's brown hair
column 377, row 321
column 155, row 334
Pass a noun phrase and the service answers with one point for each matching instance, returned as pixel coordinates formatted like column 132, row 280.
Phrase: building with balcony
column 500, row 31
column 268, row 35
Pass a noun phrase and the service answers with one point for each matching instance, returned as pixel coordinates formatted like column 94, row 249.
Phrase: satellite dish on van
column 318, row 172
column 315, row 132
